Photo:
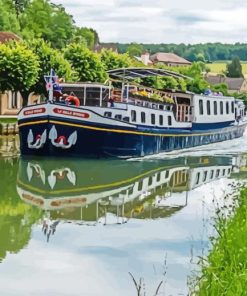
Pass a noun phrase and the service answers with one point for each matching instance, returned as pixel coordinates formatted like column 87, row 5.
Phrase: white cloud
column 164, row 21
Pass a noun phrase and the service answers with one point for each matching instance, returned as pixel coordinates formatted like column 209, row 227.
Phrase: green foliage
column 112, row 60
column 85, row 36
column 16, row 218
column 220, row 87
column 134, row 49
column 18, row 67
column 86, row 63
column 226, row 270
column 8, row 18
column 242, row 96
column 210, row 51
column 48, row 21
column 170, row 82
column 49, row 58
column 234, row 69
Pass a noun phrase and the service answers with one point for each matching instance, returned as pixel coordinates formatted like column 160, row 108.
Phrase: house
column 111, row 46
column 169, row 59
column 11, row 102
column 145, row 59
column 235, row 85
column 8, row 36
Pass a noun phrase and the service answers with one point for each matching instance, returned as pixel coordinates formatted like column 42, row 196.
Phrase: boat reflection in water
column 89, row 192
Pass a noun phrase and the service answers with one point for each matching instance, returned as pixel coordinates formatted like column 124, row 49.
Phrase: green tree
column 8, row 19
column 234, row 69
column 20, row 6
column 113, row 60
column 18, row 67
column 49, row 58
column 220, row 87
column 85, row 35
column 48, row 21
column 134, row 49
column 86, row 63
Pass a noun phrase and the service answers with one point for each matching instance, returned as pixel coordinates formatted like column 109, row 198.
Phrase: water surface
column 78, row 227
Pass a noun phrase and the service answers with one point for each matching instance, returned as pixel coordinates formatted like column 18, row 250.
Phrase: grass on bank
column 8, row 120
column 225, row 272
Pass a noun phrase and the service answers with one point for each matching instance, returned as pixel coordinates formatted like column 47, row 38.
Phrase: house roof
column 132, row 73
column 8, row 36
column 168, row 57
column 233, row 83
column 111, row 46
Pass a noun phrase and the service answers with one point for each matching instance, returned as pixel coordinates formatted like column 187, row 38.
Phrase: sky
column 162, row 21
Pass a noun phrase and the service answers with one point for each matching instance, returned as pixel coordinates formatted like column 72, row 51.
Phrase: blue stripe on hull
column 211, row 126
column 99, row 143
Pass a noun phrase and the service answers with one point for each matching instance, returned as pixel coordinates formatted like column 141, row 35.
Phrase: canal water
column 85, row 227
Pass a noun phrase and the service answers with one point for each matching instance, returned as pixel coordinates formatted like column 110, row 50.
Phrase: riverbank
column 8, row 126
column 225, row 269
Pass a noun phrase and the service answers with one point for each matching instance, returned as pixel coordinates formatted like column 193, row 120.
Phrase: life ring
column 74, row 100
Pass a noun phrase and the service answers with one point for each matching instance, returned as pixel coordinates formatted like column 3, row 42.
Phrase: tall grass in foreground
column 225, row 269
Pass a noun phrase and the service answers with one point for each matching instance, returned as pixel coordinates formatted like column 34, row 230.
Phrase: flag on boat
column 52, row 83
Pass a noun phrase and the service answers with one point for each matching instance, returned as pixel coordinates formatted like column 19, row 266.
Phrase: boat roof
column 132, row 73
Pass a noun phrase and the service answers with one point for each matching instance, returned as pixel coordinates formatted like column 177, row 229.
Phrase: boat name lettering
column 34, row 111
column 71, row 113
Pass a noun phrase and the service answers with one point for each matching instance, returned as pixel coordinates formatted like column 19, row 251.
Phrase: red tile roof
column 168, row 57
column 7, row 36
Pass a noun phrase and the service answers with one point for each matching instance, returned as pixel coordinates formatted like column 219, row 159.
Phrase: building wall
column 11, row 102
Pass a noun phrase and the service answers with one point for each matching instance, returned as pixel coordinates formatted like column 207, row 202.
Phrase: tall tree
column 48, row 21
column 134, row 49
column 86, row 63
column 18, row 67
column 49, row 58
column 8, row 19
column 112, row 60
column 234, row 69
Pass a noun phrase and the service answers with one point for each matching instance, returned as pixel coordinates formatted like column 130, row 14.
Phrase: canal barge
column 91, row 119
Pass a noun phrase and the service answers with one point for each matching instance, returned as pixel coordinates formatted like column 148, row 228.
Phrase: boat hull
column 68, row 138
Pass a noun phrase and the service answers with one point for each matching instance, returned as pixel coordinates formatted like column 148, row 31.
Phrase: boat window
column 150, row 181
column 221, row 107
column 212, row 174
column 118, row 116
column 197, row 178
column 229, row 171
column 232, row 107
column 217, row 173
column 161, row 119
column 215, row 108
column 131, row 190
column 208, row 108
column 161, row 107
column 200, row 107
column 158, row 177
column 152, row 118
column 133, row 115
column 227, row 107
column 223, row 172
column 169, row 118
column 205, row 176
column 140, row 184
column 143, row 117
column 167, row 174
column 126, row 118
column 107, row 114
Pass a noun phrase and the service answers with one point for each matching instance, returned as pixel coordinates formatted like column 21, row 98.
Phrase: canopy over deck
column 133, row 73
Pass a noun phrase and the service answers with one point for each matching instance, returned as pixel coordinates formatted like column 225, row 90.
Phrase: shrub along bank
column 225, row 272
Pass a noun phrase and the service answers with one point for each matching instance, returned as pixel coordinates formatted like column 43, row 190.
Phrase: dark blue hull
column 98, row 141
